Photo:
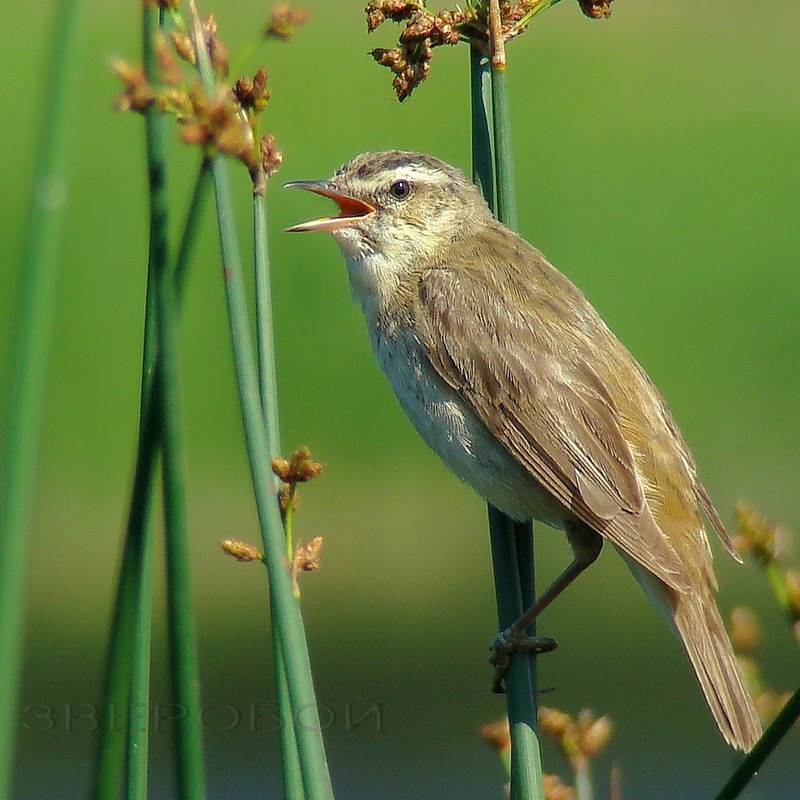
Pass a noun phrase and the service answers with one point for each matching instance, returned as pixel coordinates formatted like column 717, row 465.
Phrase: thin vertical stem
column 769, row 740
column 507, row 214
column 110, row 752
column 138, row 721
column 138, row 717
column 526, row 566
column 481, row 96
column 583, row 778
column 316, row 779
column 184, row 673
column 313, row 761
column 29, row 352
column 290, row 758
column 268, row 393
column 503, row 159
column 265, row 344
column 512, row 543
column 526, row 765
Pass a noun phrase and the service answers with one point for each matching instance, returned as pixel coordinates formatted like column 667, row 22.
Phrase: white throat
column 374, row 277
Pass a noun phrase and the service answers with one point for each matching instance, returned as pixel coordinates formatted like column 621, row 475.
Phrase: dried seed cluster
column 241, row 551
column 425, row 30
column 760, row 536
column 581, row 738
column 770, row 545
column 306, row 559
column 284, row 22
column 596, row 9
column 300, row 468
column 228, row 122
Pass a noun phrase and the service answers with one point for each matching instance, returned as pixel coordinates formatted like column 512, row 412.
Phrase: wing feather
column 554, row 414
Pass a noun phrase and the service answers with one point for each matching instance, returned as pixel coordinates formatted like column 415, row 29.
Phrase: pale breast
column 456, row 434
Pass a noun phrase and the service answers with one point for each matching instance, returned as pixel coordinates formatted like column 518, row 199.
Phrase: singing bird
column 513, row 379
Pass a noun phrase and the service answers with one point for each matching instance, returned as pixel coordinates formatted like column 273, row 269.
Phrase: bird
column 512, row 377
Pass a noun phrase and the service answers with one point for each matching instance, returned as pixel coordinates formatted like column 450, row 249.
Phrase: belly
column 457, row 435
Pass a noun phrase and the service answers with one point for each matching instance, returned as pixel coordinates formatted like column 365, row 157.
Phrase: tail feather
column 695, row 618
column 703, row 634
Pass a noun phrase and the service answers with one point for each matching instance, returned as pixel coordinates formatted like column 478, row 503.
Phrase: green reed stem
column 286, row 610
column 506, row 191
column 526, row 764
column 481, row 94
column 265, row 344
column 764, row 747
column 30, row 344
column 110, row 752
column 268, row 394
column 138, row 717
column 290, row 757
column 512, row 543
column 184, row 671
column 126, row 681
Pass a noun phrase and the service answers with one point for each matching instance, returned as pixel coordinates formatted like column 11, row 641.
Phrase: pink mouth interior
column 349, row 209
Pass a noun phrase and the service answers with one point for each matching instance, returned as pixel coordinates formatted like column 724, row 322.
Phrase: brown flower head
column 584, row 738
column 593, row 733
column 555, row 789
column 306, row 556
column 378, row 11
column 168, row 68
column 241, row 551
column 253, row 94
column 497, row 735
column 284, row 22
column 217, row 50
column 184, row 46
column 137, row 93
column 596, row 9
column 299, row 469
column 271, row 156
column 759, row 535
column 306, row 559
column 554, row 722
column 219, row 123
column 745, row 630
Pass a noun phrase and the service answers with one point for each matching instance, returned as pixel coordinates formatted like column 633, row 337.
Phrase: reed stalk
column 284, row 606
column 268, row 393
column 512, row 543
column 110, row 750
column 763, row 749
column 30, row 346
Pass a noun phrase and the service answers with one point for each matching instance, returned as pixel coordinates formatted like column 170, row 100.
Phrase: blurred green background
column 657, row 165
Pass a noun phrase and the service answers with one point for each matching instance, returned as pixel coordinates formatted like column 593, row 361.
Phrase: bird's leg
column 586, row 546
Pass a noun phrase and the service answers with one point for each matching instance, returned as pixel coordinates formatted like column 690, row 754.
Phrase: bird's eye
column 400, row 189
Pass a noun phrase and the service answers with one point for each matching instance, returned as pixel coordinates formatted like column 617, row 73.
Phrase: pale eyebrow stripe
column 410, row 172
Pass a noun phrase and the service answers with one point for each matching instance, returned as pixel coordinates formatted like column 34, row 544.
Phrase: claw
column 509, row 641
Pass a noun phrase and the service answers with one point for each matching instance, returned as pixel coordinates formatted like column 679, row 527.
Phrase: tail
column 696, row 619
column 703, row 634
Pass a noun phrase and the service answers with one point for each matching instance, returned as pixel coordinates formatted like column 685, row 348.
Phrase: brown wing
column 545, row 402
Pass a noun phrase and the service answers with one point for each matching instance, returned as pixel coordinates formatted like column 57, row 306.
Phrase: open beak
column 350, row 209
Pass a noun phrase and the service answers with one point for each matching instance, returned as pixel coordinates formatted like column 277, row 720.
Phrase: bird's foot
column 511, row 641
